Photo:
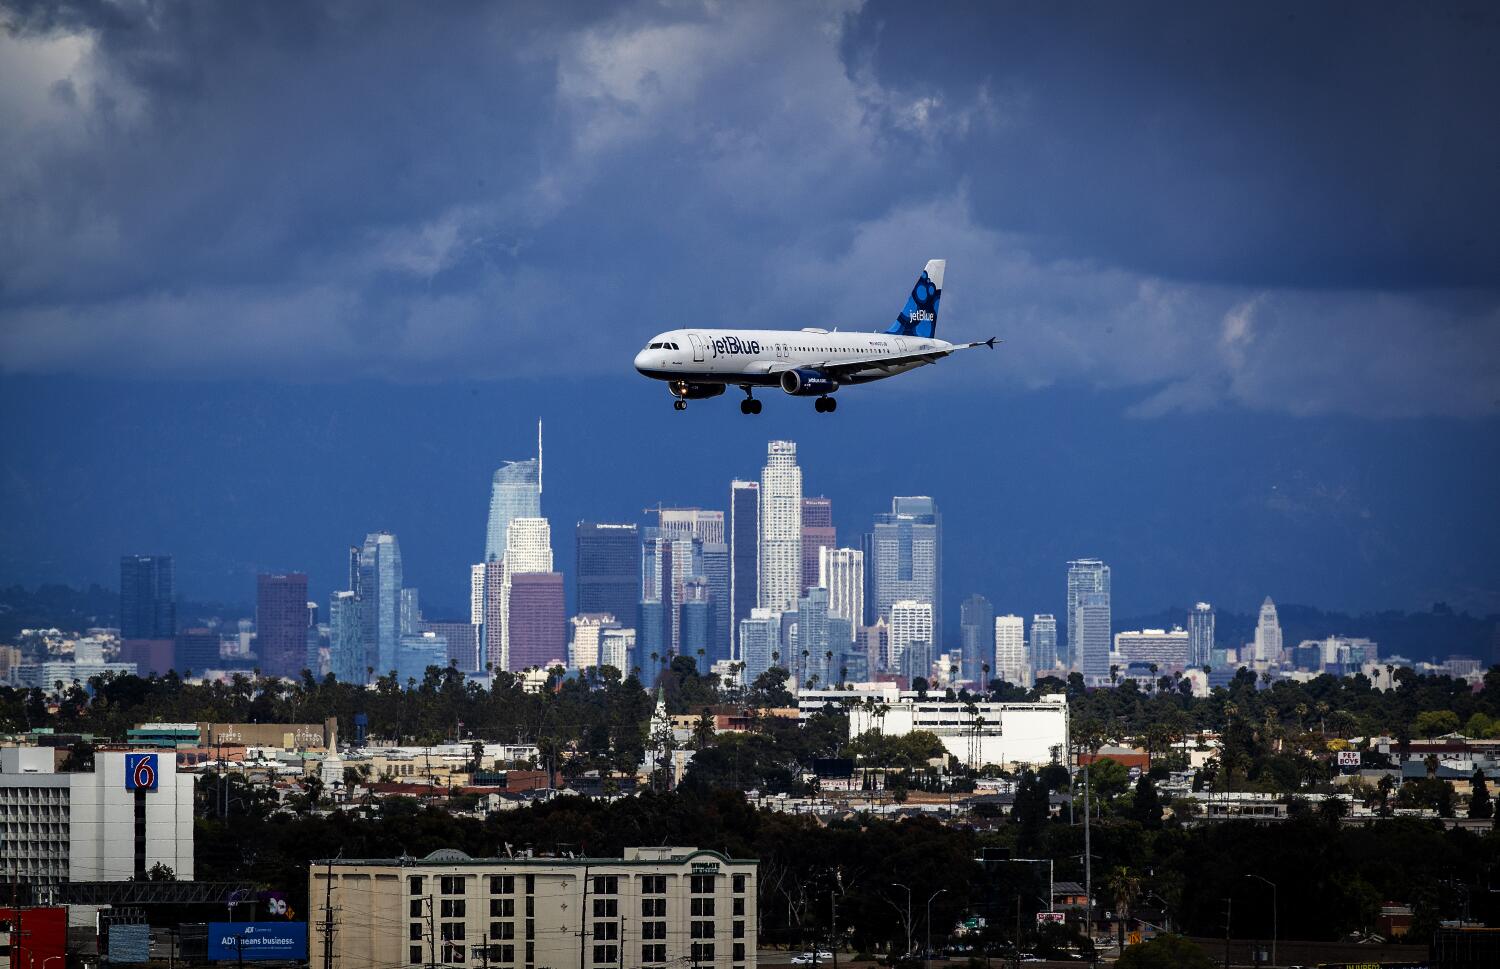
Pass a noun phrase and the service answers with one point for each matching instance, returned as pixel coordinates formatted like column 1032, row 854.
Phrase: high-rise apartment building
column 1267, row 635
column 842, row 572
column 696, row 625
column 817, row 534
column 976, row 628
column 1043, row 643
column 814, row 644
column 515, row 492
column 875, row 643
column 148, row 603
column 281, row 623
column 780, row 513
column 616, row 647
column 744, row 550
column 907, row 558
column 1201, row 635
column 380, row 600
column 587, row 633
column 1010, row 662
column 911, row 621
column 1085, row 577
column 608, row 571
column 411, row 612
column 476, row 594
column 1168, row 650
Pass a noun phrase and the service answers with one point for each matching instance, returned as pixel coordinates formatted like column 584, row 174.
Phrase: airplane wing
column 835, row 370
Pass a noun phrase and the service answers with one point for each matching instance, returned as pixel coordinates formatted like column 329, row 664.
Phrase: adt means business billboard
column 253, row 941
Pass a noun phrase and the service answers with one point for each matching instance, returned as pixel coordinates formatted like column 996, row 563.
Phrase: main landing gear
column 825, row 405
column 749, row 405
column 679, row 404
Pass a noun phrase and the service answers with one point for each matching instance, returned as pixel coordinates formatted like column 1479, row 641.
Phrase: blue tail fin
column 919, row 318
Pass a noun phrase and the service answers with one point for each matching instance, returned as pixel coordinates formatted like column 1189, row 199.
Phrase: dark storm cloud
column 1330, row 144
column 1284, row 214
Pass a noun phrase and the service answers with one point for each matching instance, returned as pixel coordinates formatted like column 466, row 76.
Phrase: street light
column 1273, row 913
column 927, row 956
column 908, row 913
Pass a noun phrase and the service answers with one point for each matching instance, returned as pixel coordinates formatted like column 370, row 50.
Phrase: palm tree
column 1114, row 674
column 1125, row 886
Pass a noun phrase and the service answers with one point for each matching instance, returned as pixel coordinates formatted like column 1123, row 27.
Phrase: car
column 821, row 957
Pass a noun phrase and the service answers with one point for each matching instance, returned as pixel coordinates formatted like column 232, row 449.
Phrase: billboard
column 253, row 941
column 1054, row 917
column 140, row 772
column 1349, row 758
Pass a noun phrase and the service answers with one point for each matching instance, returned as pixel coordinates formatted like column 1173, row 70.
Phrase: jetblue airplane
column 810, row 362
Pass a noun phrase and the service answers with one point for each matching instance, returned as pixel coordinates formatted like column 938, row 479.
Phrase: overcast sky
column 1268, row 213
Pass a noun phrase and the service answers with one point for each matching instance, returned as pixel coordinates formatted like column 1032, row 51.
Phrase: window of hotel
column 453, row 953
column 415, row 882
column 502, row 908
column 502, row 930
column 607, row 885
column 703, row 906
column 607, row 908
column 415, row 954
column 606, row 955
column 415, row 932
column 502, row 953
column 503, row 885
column 739, row 952
column 654, row 908
column 453, row 885
column 739, row 930
column 416, row 908
column 454, row 908
column 703, row 884
column 739, row 884
column 654, row 885
column 654, row 952
column 703, row 952
column 703, row 930
column 739, row 906
column 606, row 930
column 653, row 930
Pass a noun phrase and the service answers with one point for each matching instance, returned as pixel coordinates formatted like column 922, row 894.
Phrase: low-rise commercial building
column 977, row 733
column 653, row 907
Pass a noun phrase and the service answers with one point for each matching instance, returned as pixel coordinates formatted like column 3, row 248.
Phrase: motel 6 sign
column 140, row 772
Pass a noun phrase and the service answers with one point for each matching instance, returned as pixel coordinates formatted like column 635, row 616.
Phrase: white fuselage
column 760, row 356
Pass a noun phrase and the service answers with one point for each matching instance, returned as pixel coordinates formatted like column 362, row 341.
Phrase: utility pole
column 583, row 916
column 1228, row 918
column 1088, row 862
column 328, row 926
column 431, row 934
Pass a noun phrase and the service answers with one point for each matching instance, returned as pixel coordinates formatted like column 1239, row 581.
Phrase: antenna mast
column 538, row 455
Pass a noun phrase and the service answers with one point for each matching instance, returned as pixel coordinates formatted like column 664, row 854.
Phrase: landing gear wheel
column 747, row 406
column 818, row 404
column 832, row 405
column 754, row 406
column 679, row 405
column 825, row 405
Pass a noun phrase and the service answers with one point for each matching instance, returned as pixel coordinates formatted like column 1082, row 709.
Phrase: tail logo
column 919, row 317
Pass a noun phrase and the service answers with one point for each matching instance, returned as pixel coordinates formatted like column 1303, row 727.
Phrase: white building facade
column 842, row 572
column 780, row 552
column 93, row 826
column 911, row 622
column 1011, row 664
column 1005, row 735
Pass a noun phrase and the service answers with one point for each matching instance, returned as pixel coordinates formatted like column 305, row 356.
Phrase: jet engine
column 807, row 383
column 683, row 390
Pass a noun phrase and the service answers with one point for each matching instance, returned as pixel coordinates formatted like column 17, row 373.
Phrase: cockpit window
column 654, row 346
column 671, row 346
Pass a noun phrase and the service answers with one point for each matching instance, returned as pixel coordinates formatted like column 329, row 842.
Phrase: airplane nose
column 641, row 361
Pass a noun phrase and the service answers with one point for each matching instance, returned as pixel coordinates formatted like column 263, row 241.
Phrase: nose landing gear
column 825, row 405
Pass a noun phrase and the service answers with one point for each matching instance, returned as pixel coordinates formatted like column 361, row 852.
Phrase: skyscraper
column 813, row 642
column 875, row 643
column 817, row 534
column 281, row 623
column 1267, row 635
column 911, row 621
column 703, row 524
column 1200, row 635
column 976, row 629
column 666, row 566
column 197, row 651
column 476, row 594
column 528, row 551
column 780, row 515
column 842, row 572
column 587, row 635
column 418, row 651
column 696, row 624
column 380, row 601
column 346, row 648
column 1043, row 643
column 515, row 492
column 760, row 636
column 1085, row 576
column 1094, row 638
column 615, row 647
column 608, row 571
column 714, row 568
column 463, row 643
column 1010, row 651
column 411, row 612
column 744, row 545
column 906, row 546
column 537, row 618
column 148, row 604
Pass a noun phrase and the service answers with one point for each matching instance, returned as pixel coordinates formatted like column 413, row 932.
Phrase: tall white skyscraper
column 842, row 572
column 1267, row 634
column 1010, row 651
column 760, row 636
column 476, row 594
column 1200, row 635
column 1085, row 577
column 1043, row 643
column 911, row 622
column 516, row 492
column 780, row 528
column 528, row 549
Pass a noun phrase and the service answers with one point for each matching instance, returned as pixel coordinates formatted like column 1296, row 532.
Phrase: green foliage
column 1480, row 805
column 1165, row 952
column 1434, row 723
column 911, row 752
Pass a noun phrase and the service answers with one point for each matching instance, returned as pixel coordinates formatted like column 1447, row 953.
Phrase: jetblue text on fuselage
column 729, row 345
